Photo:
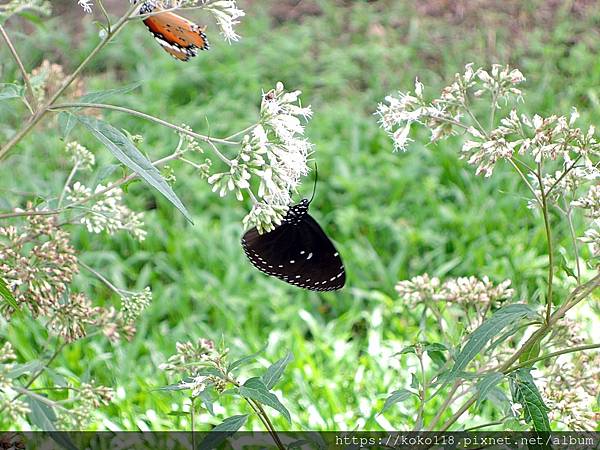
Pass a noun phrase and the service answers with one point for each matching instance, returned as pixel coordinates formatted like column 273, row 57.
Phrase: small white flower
column 227, row 15
column 86, row 5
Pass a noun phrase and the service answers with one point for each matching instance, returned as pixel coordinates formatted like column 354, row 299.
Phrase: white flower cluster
column 80, row 156
column 133, row 304
column 107, row 212
column 227, row 15
column 276, row 152
column 462, row 290
column 444, row 114
column 590, row 203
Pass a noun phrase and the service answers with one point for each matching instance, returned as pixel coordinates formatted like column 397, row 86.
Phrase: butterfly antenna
column 315, row 185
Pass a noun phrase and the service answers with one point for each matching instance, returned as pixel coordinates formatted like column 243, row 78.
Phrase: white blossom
column 86, row 5
column 107, row 212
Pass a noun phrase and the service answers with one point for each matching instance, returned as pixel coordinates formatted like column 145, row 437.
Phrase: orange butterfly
column 178, row 36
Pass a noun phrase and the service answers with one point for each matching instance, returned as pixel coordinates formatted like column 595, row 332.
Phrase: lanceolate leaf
column 222, row 431
column 95, row 97
column 486, row 384
column 525, row 392
column 124, row 150
column 488, row 330
column 243, row 361
column 7, row 295
column 395, row 397
column 273, row 374
column 255, row 389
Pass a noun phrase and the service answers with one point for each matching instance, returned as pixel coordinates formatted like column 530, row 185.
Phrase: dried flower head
column 462, row 290
column 37, row 262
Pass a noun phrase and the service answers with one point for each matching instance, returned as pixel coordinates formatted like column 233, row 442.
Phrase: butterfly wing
column 178, row 36
column 300, row 254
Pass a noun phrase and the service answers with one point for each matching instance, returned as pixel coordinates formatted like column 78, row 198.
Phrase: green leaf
column 207, row 400
column 66, row 122
column 243, row 361
column 9, row 90
column 255, row 389
column 436, row 352
column 8, row 296
column 486, row 384
column 21, row 369
column 274, row 373
column 532, row 352
column 395, row 397
column 96, row 97
column 479, row 338
column 124, row 150
column 41, row 415
column 525, row 392
column 222, row 431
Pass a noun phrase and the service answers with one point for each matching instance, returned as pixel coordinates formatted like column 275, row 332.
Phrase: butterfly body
column 298, row 252
column 178, row 36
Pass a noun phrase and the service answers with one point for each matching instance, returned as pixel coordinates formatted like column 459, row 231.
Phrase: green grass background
column 391, row 215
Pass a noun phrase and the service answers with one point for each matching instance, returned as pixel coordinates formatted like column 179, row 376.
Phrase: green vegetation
column 392, row 215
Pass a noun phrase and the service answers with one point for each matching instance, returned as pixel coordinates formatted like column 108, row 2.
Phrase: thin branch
column 41, row 112
column 552, row 355
column 134, row 112
column 24, row 73
column 549, row 242
column 569, row 214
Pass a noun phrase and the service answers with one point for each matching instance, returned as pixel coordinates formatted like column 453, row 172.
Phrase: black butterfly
column 297, row 252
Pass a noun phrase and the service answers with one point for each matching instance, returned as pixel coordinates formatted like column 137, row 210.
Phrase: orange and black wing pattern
column 178, row 36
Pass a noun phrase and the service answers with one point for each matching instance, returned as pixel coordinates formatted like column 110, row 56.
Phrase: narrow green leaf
column 8, row 296
column 96, row 97
column 243, row 361
column 525, row 392
column 41, row 415
column 274, row 373
column 21, row 369
column 66, row 122
column 395, row 397
column 207, row 400
column 255, row 389
column 44, row 417
column 222, row 431
column 124, row 150
column 479, row 338
column 486, row 384
column 532, row 352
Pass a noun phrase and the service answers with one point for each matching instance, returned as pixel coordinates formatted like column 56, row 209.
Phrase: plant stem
column 192, row 398
column 552, row 355
column 40, row 113
column 569, row 214
column 24, row 74
column 143, row 115
column 67, row 183
column 101, row 192
column 549, row 241
column 442, row 409
column 37, row 374
column 422, row 395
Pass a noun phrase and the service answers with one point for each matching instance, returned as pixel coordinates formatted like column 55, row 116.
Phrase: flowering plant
column 508, row 343
column 262, row 163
